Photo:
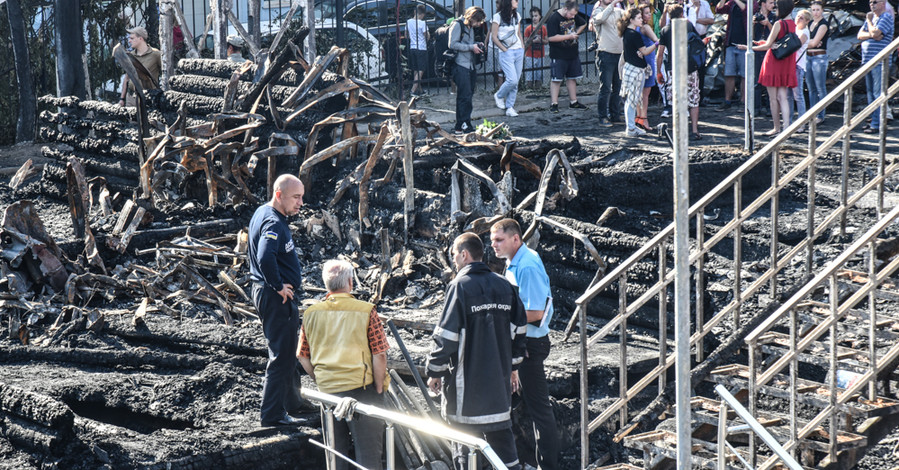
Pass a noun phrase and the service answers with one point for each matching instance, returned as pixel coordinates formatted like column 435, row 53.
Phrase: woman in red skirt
column 778, row 75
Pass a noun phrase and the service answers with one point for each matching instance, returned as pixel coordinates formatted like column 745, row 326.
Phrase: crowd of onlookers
column 633, row 49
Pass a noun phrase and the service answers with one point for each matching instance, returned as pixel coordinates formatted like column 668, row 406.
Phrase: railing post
column 738, row 250
column 794, row 375
column 390, row 446
column 844, row 170
column 472, row 460
column 834, row 305
column 872, row 322
column 330, row 438
column 681, row 246
column 585, row 417
column 663, row 313
column 881, row 147
column 810, row 222
column 749, row 99
column 700, row 286
column 722, row 435
column 775, row 217
column 622, row 347
column 753, row 397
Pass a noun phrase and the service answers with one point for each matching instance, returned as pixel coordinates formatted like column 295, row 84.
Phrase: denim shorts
column 734, row 62
column 562, row 69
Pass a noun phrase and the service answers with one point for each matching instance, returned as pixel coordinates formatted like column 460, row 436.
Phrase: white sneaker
column 635, row 132
column 500, row 103
column 511, row 112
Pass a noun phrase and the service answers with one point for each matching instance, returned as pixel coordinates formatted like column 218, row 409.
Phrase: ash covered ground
column 181, row 389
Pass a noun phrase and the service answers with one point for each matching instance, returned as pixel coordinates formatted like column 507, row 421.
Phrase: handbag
column 786, row 45
column 509, row 39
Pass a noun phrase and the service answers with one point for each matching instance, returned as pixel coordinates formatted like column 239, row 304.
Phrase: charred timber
column 117, row 359
column 34, row 407
column 36, row 438
column 215, row 87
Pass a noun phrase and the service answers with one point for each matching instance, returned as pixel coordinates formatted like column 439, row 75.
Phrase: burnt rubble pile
column 133, row 296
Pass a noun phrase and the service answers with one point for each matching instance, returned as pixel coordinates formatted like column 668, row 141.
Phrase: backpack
column 446, row 57
column 696, row 50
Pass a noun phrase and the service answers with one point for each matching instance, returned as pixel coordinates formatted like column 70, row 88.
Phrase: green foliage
column 485, row 127
column 104, row 25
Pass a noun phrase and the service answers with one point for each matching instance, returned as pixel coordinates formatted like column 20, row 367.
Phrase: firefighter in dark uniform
column 276, row 272
column 478, row 346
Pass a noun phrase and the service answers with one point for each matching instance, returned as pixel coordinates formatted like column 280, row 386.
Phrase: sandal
column 695, row 136
column 771, row 133
column 642, row 122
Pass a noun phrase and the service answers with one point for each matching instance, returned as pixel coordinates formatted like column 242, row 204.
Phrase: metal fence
column 374, row 31
column 746, row 287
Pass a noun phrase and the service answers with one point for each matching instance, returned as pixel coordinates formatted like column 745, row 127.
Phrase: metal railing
column 392, row 418
column 658, row 250
column 753, row 425
column 838, row 307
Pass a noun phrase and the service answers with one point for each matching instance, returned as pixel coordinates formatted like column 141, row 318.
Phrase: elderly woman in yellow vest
column 344, row 349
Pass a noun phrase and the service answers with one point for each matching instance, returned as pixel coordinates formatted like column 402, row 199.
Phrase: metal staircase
column 815, row 395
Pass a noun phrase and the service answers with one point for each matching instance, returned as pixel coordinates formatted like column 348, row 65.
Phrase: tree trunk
column 253, row 22
column 70, row 78
column 27, row 100
column 220, row 27
column 166, row 43
column 310, row 23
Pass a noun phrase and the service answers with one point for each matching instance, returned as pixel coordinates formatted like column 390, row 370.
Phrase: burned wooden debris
column 157, row 217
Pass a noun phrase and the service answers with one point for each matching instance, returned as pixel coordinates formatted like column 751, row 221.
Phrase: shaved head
column 288, row 194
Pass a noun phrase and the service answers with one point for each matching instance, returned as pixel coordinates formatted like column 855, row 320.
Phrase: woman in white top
column 803, row 18
column 417, row 29
column 506, row 36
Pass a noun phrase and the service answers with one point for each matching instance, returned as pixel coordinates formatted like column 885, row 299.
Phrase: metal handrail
column 660, row 245
column 759, row 376
column 424, row 425
column 753, row 424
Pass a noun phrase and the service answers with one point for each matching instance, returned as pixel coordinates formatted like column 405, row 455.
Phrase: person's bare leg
column 729, row 84
column 554, row 88
column 572, row 90
column 785, row 110
column 694, row 119
column 775, row 110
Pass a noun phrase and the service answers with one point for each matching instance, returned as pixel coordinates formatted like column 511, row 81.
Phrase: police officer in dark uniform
column 276, row 272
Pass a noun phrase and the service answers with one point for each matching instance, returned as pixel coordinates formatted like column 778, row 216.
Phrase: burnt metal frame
column 760, row 375
column 702, row 246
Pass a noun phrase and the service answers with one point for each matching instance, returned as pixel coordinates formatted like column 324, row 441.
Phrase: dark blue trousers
column 535, row 393
column 280, row 325
column 608, row 102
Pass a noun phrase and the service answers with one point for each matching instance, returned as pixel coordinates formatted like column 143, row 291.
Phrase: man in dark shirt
column 563, row 28
column 276, row 272
column 478, row 346
column 734, row 60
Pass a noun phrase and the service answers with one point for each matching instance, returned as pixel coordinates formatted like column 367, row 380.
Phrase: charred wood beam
column 312, row 77
column 274, row 71
column 30, row 436
column 38, row 408
column 121, row 359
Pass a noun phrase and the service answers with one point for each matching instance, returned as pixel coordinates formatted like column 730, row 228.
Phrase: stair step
column 810, row 392
column 705, row 410
column 661, row 445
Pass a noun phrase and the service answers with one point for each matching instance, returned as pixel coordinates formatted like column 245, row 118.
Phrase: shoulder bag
column 786, row 45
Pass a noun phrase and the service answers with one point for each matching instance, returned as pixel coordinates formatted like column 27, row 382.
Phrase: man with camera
column 609, row 46
column 761, row 28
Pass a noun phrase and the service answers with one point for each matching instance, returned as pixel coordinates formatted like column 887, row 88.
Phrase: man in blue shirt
column 275, row 270
column 524, row 268
column 875, row 34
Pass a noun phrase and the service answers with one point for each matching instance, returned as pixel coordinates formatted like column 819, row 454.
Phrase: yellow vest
column 337, row 333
